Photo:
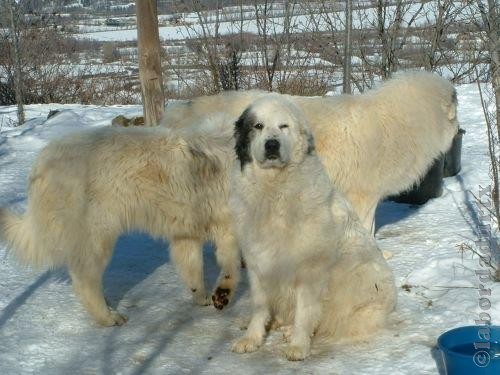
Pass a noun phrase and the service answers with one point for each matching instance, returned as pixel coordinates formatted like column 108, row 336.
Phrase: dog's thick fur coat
column 88, row 188
column 372, row 145
column 310, row 262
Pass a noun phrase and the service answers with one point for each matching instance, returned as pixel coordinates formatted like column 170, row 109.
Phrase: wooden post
column 148, row 44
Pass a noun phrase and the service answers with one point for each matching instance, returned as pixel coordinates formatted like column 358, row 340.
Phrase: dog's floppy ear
column 242, row 129
column 310, row 144
column 305, row 132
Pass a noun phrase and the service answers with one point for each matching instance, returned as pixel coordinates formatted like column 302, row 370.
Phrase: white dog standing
column 88, row 188
column 372, row 145
column 310, row 263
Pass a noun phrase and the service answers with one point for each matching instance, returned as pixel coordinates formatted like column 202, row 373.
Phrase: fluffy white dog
column 372, row 145
column 88, row 188
column 310, row 263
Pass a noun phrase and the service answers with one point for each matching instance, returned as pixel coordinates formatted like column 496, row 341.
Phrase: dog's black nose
column 272, row 147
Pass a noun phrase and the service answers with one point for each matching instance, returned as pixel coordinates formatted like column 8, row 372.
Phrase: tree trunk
column 382, row 34
column 148, row 39
column 346, row 87
column 392, row 59
column 17, row 62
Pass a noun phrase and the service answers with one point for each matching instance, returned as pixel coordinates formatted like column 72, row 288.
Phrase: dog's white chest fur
column 283, row 217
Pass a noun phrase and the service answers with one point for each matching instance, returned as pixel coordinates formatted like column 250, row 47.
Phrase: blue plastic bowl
column 469, row 350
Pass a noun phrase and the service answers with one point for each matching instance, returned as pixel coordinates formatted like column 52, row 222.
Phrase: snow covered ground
column 43, row 329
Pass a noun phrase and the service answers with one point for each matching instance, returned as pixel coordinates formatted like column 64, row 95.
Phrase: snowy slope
column 298, row 23
column 43, row 329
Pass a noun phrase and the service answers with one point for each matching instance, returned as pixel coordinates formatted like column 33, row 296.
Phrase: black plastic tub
column 430, row 187
column 453, row 158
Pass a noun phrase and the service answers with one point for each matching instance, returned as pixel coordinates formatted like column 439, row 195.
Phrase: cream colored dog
column 372, row 145
column 87, row 189
column 311, row 264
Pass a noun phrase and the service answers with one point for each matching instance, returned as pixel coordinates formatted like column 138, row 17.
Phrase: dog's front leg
column 256, row 330
column 228, row 258
column 307, row 315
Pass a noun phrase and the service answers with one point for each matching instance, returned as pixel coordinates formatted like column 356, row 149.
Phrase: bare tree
column 491, row 26
column 447, row 42
column 217, row 56
column 346, row 87
column 211, row 39
column 14, row 14
column 393, row 24
column 493, row 150
column 328, row 27
column 442, row 20
column 270, row 49
column 276, row 44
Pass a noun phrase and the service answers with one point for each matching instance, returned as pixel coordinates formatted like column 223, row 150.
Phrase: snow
column 43, row 329
column 312, row 21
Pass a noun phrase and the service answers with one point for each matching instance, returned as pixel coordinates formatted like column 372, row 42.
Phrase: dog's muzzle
column 272, row 148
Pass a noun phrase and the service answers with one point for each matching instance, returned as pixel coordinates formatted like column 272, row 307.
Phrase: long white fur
column 372, row 145
column 310, row 262
column 88, row 188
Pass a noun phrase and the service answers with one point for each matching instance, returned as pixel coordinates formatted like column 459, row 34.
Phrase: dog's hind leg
column 365, row 206
column 188, row 258
column 86, row 273
column 229, row 260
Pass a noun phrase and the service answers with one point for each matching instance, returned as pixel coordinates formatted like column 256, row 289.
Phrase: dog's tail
column 16, row 233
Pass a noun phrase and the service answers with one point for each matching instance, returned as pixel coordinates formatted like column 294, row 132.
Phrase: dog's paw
column 246, row 345
column 113, row 319
column 221, row 297
column 296, row 352
column 119, row 319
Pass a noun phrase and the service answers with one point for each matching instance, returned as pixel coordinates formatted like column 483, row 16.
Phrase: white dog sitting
column 310, row 262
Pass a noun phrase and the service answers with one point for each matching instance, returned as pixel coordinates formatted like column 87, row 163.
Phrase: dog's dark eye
column 258, row 126
column 284, row 126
